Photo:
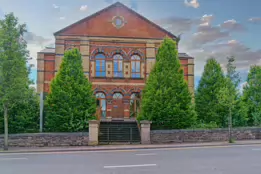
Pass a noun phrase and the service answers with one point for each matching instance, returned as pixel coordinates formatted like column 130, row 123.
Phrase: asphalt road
column 209, row 160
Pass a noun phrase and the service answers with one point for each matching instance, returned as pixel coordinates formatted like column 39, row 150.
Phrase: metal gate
column 113, row 132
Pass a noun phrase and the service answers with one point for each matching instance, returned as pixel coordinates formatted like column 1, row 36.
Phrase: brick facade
column 99, row 34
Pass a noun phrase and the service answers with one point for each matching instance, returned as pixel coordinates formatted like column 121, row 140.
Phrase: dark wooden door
column 117, row 108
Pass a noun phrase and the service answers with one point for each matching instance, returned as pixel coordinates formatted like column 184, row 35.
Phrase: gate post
column 93, row 132
column 145, row 132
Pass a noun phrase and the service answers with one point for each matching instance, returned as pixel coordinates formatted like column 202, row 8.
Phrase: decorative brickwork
column 96, row 35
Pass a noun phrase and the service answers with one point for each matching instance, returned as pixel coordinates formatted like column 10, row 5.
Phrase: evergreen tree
column 70, row 104
column 166, row 99
column 232, row 74
column 252, row 96
column 14, row 80
column 208, row 107
column 238, row 116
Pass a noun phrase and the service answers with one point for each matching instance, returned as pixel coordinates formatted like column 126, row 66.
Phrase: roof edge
column 113, row 5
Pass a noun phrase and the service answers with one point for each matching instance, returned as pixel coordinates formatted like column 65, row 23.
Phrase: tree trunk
column 6, row 128
column 230, row 125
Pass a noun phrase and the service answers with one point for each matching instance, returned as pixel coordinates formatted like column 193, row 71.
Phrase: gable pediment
column 116, row 20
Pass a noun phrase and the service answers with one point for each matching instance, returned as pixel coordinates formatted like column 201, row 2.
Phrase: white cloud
column 232, row 25
column 55, row 6
column 207, row 18
column 33, row 49
column 32, row 38
column 255, row 19
column 83, row 8
column 192, row 3
column 62, row 18
column 177, row 25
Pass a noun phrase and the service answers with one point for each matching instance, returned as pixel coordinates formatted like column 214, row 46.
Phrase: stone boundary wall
column 46, row 139
column 195, row 136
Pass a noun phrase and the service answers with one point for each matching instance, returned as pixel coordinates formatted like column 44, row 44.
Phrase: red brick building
column 118, row 48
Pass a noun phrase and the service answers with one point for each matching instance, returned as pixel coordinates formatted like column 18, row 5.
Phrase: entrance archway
column 134, row 104
column 117, row 106
column 101, row 104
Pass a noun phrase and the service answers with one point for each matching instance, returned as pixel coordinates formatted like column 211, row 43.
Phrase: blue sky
column 217, row 28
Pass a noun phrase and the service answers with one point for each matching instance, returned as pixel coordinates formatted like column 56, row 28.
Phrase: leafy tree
column 23, row 116
column 70, row 104
column 252, row 96
column 238, row 111
column 228, row 100
column 14, row 80
column 166, row 99
column 207, row 102
column 232, row 74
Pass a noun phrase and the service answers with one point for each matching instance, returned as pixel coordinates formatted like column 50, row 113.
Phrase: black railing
column 112, row 132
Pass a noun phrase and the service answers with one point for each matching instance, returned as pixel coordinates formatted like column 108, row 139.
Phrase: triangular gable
column 98, row 24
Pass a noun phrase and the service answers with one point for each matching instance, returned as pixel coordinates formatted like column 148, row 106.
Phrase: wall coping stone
column 47, row 134
column 145, row 122
column 204, row 130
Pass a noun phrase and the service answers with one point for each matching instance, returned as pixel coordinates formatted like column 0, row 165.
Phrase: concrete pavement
column 125, row 147
column 201, row 160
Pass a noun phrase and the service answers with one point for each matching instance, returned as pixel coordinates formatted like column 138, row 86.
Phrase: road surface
column 203, row 160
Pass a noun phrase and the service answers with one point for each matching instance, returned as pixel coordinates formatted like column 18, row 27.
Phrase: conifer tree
column 70, row 104
column 166, row 99
column 239, row 117
column 208, row 107
column 252, row 96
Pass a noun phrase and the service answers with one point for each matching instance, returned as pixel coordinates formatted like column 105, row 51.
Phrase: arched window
column 117, row 95
column 100, row 63
column 135, row 66
column 117, row 65
column 101, row 103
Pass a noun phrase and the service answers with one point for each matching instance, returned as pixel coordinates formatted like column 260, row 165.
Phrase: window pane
column 133, row 66
column 99, row 56
column 103, row 65
column 120, row 65
column 100, row 68
column 137, row 66
column 115, row 65
column 135, row 75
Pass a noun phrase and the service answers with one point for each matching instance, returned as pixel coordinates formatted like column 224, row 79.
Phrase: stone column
column 93, row 132
column 150, row 58
column 145, row 132
column 191, row 75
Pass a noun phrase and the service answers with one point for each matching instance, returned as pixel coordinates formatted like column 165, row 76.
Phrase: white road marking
column 257, row 149
column 128, row 166
column 146, row 154
column 10, row 159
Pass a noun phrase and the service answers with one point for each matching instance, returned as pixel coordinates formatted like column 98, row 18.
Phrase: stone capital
column 145, row 122
column 93, row 122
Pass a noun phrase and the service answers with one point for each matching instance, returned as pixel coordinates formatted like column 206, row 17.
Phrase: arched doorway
column 101, row 104
column 134, row 104
column 117, row 106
